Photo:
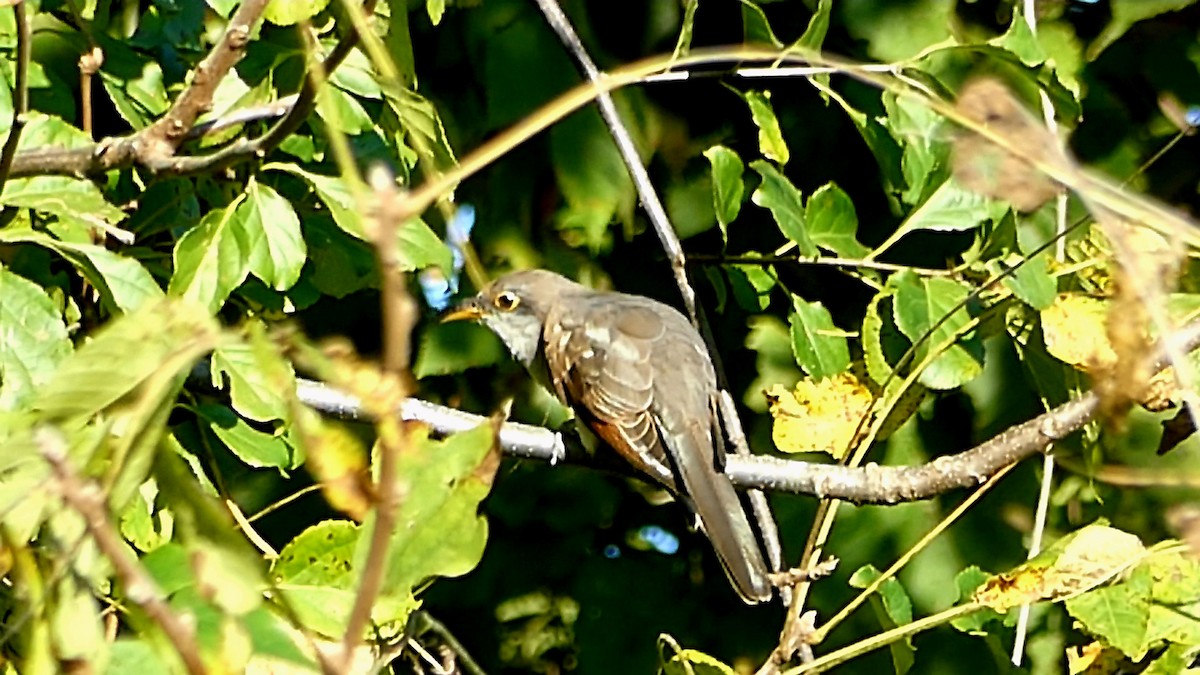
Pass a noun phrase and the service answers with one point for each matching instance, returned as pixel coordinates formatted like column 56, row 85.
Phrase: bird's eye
column 506, row 301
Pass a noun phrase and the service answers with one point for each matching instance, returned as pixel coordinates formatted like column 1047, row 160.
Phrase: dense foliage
column 900, row 255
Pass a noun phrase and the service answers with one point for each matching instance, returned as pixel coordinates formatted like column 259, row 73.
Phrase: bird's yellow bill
column 465, row 312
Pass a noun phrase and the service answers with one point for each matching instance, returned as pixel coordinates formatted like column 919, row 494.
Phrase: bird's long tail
column 722, row 515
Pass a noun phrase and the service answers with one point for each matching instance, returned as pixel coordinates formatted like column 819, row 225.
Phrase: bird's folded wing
column 599, row 362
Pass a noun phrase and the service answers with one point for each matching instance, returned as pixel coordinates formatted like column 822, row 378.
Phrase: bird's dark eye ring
column 506, row 301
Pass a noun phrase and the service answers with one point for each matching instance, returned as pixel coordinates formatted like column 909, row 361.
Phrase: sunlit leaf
column 777, row 194
column 33, row 339
column 211, row 259
column 291, row 12
column 931, row 313
column 820, row 347
column 832, row 222
column 123, row 280
column 828, row 415
column 439, row 530
column 727, row 184
column 770, row 137
column 277, row 250
column 317, row 575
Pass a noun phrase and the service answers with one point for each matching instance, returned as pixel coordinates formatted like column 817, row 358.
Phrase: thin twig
column 399, row 317
column 140, row 587
column 641, row 179
column 20, row 93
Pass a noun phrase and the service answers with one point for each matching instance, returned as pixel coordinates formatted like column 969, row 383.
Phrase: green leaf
column 1031, row 282
column 340, row 265
column 692, row 662
column 211, row 259
column 291, row 12
column 276, row 247
column 775, row 361
column 160, row 340
column 832, row 222
column 133, row 82
column 435, row 9
column 883, row 343
column 334, row 193
column 770, row 137
column 139, row 525
column 1120, row 614
column 33, row 339
column 752, row 286
column 777, row 194
column 255, row 448
column 122, row 281
column 419, row 246
column 818, row 26
column 821, row 349
column 61, row 196
column 135, row 655
column 966, row 582
column 895, row 599
column 727, row 185
column 1125, row 13
column 951, row 208
column 924, row 145
column 895, row 31
column 439, row 531
column 356, row 76
column 343, row 112
column 399, row 46
column 261, row 382
column 274, row 637
column 592, row 177
column 894, row 608
column 419, row 117
column 930, row 312
column 755, row 27
column 317, row 574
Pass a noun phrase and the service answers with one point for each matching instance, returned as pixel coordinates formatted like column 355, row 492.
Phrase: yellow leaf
column 1076, row 331
column 337, row 459
column 819, row 416
column 1076, row 564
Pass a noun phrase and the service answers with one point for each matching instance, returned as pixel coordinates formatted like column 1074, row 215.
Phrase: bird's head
column 515, row 307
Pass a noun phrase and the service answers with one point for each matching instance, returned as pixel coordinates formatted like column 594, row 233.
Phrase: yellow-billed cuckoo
column 638, row 374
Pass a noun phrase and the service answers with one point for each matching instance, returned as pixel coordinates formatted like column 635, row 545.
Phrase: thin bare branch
column 140, row 588
column 20, row 93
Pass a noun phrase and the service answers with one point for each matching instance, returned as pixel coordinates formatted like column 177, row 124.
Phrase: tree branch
column 870, row 484
column 141, row 589
column 20, row 92
column 146, row 150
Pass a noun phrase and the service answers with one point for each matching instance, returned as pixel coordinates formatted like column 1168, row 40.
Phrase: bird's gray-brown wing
column 640, row 377
column 598, row 356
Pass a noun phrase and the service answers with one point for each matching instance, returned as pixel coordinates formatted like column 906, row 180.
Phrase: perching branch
column 870, row 484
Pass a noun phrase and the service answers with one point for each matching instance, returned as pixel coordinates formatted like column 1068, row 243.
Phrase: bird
column 638, row 375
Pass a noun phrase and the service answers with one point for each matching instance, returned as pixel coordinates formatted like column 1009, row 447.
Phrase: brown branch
column 163, row 137
column 399, row 317
column 129, row 151
column 20, row 91
column 141, row 589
